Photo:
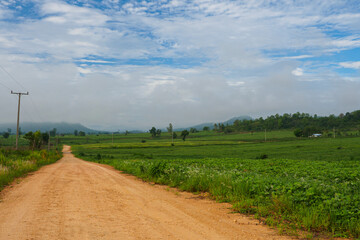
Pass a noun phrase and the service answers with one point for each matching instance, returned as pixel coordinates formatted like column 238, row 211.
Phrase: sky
column 116, row 65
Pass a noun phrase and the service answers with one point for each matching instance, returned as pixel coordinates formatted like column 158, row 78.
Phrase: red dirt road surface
column 75, row 199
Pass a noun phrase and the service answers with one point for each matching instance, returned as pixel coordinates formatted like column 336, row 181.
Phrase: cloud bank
column 136, row 64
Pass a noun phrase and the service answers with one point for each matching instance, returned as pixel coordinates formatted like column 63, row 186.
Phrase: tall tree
column 152, row 131
column 184, row 134
column 158, row 132
column 170, row 128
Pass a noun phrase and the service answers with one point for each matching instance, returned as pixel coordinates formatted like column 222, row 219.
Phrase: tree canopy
column 295, row 121
column 184, row 134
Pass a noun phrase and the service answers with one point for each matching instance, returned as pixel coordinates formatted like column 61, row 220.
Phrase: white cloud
column 6, row 42
column 84, row 70
column 298, row 72
column 94, row 61
column 236, row 84
column 297, row 57
column 72, row 14
column 347, row 42
column 56, row 19
column 354, row 65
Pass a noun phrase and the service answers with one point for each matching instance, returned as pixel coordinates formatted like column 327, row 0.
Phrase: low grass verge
column 15, row 164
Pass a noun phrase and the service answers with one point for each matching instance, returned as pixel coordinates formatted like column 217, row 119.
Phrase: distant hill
column 211, row 125
column 232, row 120
column 62, row 127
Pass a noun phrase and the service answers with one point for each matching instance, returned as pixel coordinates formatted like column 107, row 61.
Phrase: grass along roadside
column 310, row 184
column 14, row 164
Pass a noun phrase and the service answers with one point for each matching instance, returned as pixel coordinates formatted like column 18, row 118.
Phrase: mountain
column 62, row 127
column 211, row 125
column 232, row 120
column 202, row 125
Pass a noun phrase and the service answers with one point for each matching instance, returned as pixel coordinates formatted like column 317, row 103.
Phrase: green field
column 11, row 140
column 309, row 183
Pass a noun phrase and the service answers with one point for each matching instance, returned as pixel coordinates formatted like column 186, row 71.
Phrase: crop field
column 10, row 141
column 310, row 183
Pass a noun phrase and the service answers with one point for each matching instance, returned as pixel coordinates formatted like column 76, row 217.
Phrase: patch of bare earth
column 75, row 199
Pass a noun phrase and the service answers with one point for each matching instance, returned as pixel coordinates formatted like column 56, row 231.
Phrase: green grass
column 15, row 164
column 311, row 184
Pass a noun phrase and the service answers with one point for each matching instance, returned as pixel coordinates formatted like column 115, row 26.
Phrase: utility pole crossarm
column 18, row 115
column 19, row 93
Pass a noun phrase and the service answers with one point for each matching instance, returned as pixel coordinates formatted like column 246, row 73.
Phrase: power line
column 5, row 86
column 29, row 115
column 31, row 99
column 12, row 77
column 36, row 109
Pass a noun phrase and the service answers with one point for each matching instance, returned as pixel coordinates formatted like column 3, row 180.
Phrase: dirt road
column 74, row 199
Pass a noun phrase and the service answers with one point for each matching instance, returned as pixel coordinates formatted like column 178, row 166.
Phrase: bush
column 262, row 156
column 6, row 135
column 298, row 132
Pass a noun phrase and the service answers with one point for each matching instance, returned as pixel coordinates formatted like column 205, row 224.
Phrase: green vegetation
column 305, row 122
column 15, row 164
column 301, row 183
column 37, row 139
column 184, row 134
column 6, row 135
column 10, row 141
column 154, row 132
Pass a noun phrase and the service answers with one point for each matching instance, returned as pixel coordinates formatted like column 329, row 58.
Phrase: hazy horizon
column 137, row 64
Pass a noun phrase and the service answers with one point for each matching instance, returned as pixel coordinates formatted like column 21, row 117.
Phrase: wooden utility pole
column 49, row 142
column 18, row 116
column 172, row 136
column 172, row 133
column 265, row 134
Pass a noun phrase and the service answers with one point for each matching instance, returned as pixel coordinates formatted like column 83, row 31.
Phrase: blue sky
column 115, row 64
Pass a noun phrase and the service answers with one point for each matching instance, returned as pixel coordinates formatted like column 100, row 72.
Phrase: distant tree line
column 302, row 121
column 157, row 132
column 79, row 133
